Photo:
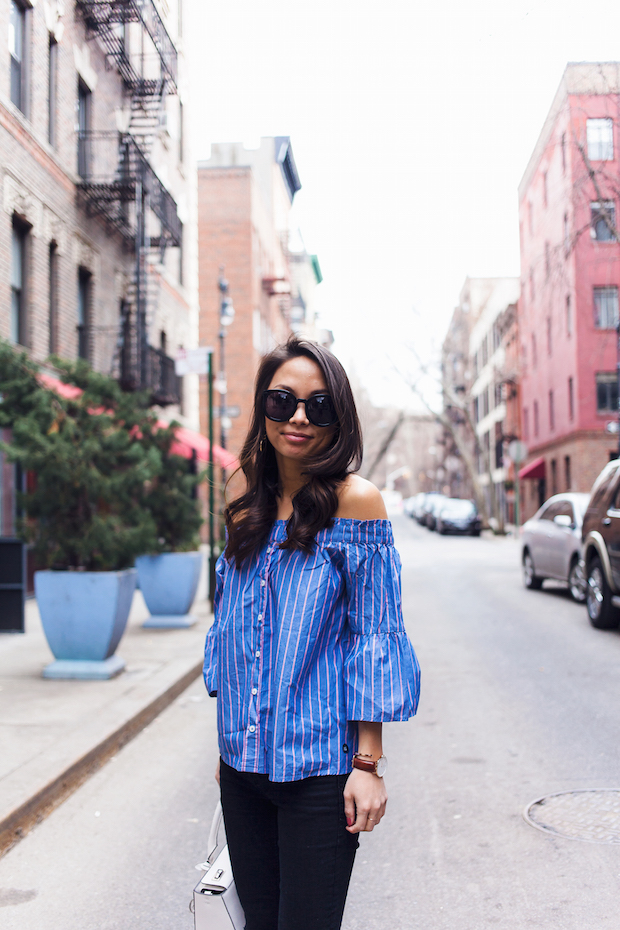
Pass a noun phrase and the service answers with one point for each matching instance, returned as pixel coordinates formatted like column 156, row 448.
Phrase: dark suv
column 601, row 549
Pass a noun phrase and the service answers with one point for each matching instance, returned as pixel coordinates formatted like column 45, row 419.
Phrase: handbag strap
column 214, row 831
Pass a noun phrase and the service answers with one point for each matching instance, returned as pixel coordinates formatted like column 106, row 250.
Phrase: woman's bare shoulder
column 360, row 500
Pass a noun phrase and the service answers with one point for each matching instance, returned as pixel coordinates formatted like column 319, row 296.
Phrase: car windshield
column 458, row 508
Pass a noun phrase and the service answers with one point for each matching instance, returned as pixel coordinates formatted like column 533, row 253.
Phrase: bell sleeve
column 382, row 675
column 210, row 664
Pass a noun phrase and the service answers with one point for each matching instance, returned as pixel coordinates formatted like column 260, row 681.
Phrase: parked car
column 601, row 549
column 551, row 544
column 409, row 506
column 455, row 515
column 431, row 508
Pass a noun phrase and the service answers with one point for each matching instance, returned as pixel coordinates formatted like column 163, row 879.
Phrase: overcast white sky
column 411, row 125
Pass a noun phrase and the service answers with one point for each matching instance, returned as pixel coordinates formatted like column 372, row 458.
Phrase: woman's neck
column 291, row 479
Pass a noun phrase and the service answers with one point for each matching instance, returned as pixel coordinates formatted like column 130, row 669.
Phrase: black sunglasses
column 280, row 406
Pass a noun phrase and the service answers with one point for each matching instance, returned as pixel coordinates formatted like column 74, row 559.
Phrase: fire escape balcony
column 162, row 380
column 103, row 18
column 115, row 174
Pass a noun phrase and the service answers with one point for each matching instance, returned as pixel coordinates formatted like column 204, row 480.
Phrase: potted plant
column 83, row 508
column 169, row 574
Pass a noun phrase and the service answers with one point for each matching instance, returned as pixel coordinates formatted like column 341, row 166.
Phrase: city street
column 519, row 700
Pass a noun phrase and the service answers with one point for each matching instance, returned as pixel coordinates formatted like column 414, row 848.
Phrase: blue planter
column 84, row 615
column 168, row 583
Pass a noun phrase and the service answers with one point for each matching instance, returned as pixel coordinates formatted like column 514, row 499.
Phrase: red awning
column 535, row 469
column 187, row 440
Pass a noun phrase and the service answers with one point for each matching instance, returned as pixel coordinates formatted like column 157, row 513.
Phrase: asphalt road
column 519, row 700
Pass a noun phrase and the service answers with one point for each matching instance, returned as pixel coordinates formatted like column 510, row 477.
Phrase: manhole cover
column 592, row 815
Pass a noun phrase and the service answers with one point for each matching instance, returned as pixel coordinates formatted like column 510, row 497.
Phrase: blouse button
column 262, row 584
column 254, row 690
column 251, row 729
column 258, row 653
column 260, row 617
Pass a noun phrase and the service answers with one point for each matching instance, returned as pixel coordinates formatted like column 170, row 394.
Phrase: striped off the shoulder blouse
column 302, row 645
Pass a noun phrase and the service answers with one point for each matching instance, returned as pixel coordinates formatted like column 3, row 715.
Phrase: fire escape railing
column 104, row 16
column 111, row 166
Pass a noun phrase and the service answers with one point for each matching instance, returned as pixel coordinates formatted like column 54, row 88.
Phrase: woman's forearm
column 370, row 743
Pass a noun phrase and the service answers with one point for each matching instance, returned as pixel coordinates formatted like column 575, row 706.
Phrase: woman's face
column 298, row 438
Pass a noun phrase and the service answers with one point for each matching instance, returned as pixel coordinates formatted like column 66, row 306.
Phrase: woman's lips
column 297, row 437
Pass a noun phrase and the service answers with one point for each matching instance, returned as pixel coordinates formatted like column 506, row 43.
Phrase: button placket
column 260, row 631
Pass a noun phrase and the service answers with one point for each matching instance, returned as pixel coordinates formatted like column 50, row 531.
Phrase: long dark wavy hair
column 250, row 517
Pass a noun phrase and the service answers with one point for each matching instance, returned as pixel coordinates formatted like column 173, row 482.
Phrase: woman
column 308, row 653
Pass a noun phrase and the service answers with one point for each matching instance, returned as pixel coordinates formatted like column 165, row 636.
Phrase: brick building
column 570, row 275
column 244, row 201
column 481, row 384
column 98, row 196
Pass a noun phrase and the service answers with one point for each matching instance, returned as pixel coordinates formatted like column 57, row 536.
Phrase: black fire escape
column 119, row 184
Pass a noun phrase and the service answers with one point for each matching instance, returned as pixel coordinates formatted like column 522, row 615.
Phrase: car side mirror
column 562, row 519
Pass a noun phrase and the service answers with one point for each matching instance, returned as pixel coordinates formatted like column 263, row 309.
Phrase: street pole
column 212, row 556
column 517, row 497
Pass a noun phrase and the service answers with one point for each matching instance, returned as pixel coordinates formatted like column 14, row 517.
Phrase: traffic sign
column 517, row 451
column 192, row 361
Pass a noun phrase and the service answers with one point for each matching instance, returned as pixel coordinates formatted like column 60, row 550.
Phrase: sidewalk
column 55, row 734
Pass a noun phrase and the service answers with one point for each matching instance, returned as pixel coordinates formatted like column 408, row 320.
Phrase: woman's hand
column 217, row 770
column 365, row 799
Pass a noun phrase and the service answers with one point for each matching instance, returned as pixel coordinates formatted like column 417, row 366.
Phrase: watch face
column 381, row 766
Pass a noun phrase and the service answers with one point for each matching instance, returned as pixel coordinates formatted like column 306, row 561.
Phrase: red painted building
column 570, row 276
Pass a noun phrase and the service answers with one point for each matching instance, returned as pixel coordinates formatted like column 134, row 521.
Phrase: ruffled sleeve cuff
column 382, row 677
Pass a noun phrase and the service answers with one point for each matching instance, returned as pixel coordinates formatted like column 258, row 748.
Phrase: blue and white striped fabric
column 302, row 645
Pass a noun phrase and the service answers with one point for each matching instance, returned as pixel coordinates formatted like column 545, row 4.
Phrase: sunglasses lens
column 320, row 410
column 279, row 405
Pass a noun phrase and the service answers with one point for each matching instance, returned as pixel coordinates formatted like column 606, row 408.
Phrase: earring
column 261, row 445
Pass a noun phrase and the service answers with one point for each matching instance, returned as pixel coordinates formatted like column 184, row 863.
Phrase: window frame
column 83, row 307
column 608, row 379
column 600, row 148
column 19, row 288
column 598, row 293
column 597, row 219
column 19, row 67
column 52, row 90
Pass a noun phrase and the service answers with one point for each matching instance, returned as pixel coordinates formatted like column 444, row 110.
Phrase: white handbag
column 216, row 903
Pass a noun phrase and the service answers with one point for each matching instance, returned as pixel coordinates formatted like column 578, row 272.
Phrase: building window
column 498, row 394
column 536, row 419
column 605, row 307
column 53, row 298
column 534, row 352
column 526, row 424
column 571, row 399
column 18, row 296
column 181, row 255
column 603, row 220
column 551, row 411
column 499, row 445
column 607, row 392
column 83, row 321
column 549, row 337
column 600, row 137
column 554, row 476
column 569, row 316
column 567, row 474
column 84, row 112
column 485, row 351
column 52, row 69
column 17, row 50
column 485, row 402
column 563, row 153
column 476, row 409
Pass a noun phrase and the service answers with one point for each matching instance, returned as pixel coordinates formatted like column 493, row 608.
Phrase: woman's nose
column 300, row 414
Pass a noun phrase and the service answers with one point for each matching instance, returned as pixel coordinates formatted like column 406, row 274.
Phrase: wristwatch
column 367, row 764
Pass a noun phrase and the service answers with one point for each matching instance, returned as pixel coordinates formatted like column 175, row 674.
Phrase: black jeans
column 290, row 852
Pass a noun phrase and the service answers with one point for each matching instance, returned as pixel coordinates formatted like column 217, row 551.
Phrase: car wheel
column 577, row 582
column 530, row 578
column 603, row 615
column 475, row 532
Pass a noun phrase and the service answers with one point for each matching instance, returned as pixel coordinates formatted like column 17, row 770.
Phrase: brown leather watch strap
column 366, row 765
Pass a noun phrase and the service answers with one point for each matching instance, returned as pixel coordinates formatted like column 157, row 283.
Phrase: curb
column 18, row 822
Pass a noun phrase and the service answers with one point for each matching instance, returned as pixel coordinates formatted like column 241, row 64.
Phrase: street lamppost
column 227, row 315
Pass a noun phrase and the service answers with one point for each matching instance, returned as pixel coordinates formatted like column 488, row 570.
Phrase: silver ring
column 371, row 818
